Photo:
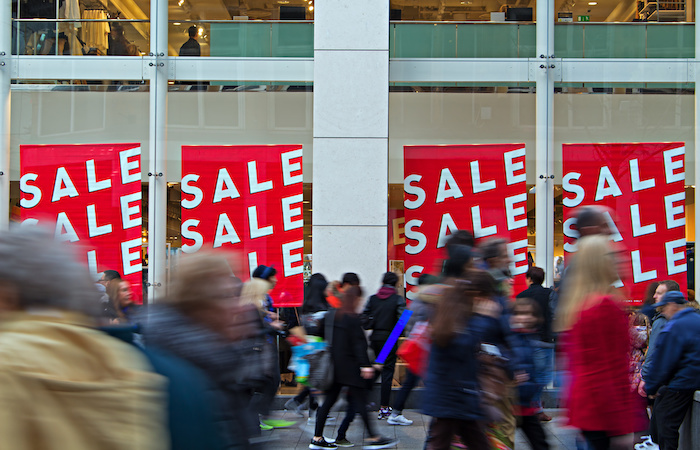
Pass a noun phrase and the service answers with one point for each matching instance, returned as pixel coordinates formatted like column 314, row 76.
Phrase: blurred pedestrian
column 313, row 309
column 380, row 315
column 64, row 384
column 121, row 307
column 600, row 402
column 351, row 368
column 674, row 376
column 452, row 392
column 544, row 348
column 203, row 322
column 526, row 318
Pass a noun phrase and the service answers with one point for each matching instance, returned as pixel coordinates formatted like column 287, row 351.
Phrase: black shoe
column 319, row 445
column 383, row 442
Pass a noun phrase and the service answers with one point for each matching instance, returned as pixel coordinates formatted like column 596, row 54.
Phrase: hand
column 624, row 442
column 640, row 389
column 277, row 324
column 272, row 315
column 378, row 367
column 367, row 373
column 487, row 307
column 521, row 377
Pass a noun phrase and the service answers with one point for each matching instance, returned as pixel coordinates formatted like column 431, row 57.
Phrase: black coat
column 349, row 349
column 541, row 296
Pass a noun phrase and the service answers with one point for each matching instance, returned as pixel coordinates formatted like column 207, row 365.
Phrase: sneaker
column 314, row 445
column 295, row 406
column 343, row 443
column 265, row 427
column 312, row 420
column 384, row 413
column 399, row 420
column 543, row 417
column 383, row 442
column 278, row 423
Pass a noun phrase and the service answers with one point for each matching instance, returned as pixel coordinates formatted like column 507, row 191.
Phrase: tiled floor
column 410, row 437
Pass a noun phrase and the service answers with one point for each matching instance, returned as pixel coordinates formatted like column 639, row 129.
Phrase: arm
column 656, row 328
column 670, row 350
column 366, row 316
column 359, row 345
column 401, row 306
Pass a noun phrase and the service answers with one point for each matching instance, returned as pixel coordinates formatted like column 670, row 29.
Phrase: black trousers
column 470, row 431
column 670, row 408
column 356, row 395
column 387, row 371
column 534, row 431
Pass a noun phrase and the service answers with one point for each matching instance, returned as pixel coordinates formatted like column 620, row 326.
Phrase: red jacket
column 599, row 395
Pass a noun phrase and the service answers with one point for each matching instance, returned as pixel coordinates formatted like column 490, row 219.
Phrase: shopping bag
column 416, row 349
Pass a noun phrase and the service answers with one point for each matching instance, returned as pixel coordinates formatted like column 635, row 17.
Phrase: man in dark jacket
column 381, row 313
column 675, row 372
column 191, row 47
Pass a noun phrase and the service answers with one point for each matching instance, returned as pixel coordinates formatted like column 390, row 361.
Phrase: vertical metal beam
column 696, row 149
column 544, row 139
column 5, row 80
column 157, row 186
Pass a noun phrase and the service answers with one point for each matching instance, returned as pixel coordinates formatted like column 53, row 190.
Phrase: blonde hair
column 255, row 291
column 592, row 272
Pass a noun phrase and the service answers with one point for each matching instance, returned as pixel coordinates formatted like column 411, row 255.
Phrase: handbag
column 416, row 349
column 321, row 361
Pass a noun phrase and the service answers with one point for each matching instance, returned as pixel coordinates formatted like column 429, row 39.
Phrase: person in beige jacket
column 64, row 384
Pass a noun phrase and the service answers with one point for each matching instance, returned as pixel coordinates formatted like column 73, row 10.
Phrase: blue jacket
column 528, row 390
column 451, row 386
column 677, row 355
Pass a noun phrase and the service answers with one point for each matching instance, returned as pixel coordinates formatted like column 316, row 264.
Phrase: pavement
column 410, row 437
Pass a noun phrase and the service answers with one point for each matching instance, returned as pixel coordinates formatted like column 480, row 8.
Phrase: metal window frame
column 158, row 69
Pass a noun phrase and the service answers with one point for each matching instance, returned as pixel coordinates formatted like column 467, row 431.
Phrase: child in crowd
column 526, row 318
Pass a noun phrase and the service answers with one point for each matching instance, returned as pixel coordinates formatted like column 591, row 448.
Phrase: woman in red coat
column 596, row 335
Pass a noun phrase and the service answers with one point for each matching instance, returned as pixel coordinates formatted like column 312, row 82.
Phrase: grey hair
column 45, row 273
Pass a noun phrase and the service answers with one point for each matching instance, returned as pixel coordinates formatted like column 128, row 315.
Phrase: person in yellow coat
column 63, row 383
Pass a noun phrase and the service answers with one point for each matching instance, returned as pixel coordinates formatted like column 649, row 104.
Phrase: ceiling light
column 177, row 23
column 592, row 3
column 311, row 8
column 180, row 2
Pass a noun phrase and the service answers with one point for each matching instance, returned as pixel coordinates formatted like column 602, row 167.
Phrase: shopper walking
column 596, row 329
column 351, row 368
column 381, row 313
column 452, row 393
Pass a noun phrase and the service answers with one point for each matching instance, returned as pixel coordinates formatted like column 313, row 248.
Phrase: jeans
column 534, row 431
column 670, row 408
column 470, row 431
column 357, row 395
column 409, row 383
column 542, row 357
column 387, row 371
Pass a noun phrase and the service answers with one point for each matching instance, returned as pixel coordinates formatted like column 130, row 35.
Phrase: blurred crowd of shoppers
column 84, row 367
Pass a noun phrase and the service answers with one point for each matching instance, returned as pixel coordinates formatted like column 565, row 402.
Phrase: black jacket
column 349, row 350
column 382, row 312
column 541, row 296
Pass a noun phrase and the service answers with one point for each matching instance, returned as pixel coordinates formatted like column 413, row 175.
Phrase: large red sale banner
column 91, row 194
column 643, row 187
column 474, row 187
column 247, row 198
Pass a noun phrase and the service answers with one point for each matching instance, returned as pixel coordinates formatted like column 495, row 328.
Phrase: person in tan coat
column 63, row 383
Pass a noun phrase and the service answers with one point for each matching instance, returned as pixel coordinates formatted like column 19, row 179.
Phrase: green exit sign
column 584, row 18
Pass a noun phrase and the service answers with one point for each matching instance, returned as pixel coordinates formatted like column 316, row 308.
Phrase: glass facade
column 457, row 74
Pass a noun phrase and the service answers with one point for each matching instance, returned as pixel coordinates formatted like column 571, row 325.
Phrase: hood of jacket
column 67, row 385
column 386, row 292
